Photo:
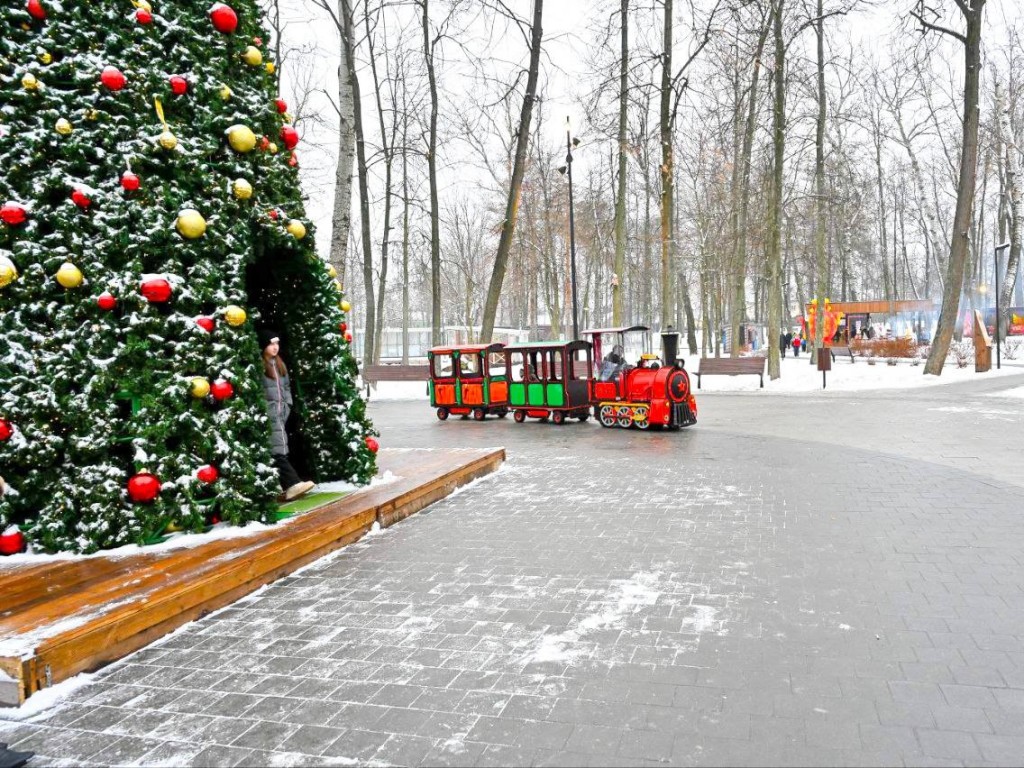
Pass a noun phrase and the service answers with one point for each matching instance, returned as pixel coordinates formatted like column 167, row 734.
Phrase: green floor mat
column 307, row 503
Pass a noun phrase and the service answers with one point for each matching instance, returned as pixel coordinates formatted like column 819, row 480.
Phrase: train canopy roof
column 495, row 347
column 624, row 329
column 578, row 344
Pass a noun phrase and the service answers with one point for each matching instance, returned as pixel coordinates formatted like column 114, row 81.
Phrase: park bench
column 842, row 350
column 731, row 366
column 372, row 374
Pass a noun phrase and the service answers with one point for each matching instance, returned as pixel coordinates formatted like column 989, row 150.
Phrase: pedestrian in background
column 796, row 346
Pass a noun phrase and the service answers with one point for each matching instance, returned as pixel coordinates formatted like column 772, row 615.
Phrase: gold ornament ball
column 168, row 140
column 45, row 57
column 345, row 306
column 270, row 67
column 29, row 82
column 296, row 229
column 92, row 114
column 288, row 117
column 8, row 272
column 144, row 5
column 272, row 148
column 331, row 270
column 242, row 189
column 63, row 127
column 234, row 315
column 199, row 387
column 190, row 223
column 252, row 56
column 337, row 286
column 241, row 138
column 225, row 92
column 69, row 275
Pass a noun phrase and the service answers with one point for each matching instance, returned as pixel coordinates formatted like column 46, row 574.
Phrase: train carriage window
column 496, row 363
column 553, row 364
column 469, row 365
column 443, row 368
column 518, row 366
column 579, row 370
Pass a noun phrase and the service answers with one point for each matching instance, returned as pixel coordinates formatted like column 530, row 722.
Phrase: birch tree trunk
column 620, row 198
column 508, row 225
column 341, row 215
column 1013, row 165
column 821, row 266
column 435, row 209
column 667, row 175
column 775, row 206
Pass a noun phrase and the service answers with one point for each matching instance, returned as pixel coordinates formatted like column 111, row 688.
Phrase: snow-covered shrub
column 962, row 352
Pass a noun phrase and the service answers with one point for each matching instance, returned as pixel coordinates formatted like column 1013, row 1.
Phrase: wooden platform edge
column 57, row 658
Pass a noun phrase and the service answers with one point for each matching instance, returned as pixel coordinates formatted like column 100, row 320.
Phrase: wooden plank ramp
column 62, row 617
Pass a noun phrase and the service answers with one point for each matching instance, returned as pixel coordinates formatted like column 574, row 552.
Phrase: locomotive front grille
column 681, row 414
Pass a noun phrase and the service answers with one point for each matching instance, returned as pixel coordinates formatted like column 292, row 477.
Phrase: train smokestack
column 670, row 347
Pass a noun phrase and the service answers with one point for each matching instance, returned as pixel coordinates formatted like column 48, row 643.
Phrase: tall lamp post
column 1003, row 247
column 567, row 169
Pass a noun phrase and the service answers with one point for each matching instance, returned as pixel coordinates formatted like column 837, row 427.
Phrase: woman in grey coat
column 277, row 388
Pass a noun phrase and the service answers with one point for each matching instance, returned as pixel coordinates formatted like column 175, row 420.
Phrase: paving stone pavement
column 796, row 581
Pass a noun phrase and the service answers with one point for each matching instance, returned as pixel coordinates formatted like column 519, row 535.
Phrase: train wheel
column 624, row 416
column 503, row 413
column 558, row 417
column 442, row 414
column 519, row 416
column 479, row 414
column 607, row 416
column 642, row 417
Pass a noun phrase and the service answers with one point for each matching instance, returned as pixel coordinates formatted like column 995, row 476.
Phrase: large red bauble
column 79, row 198
column 224, row 18
column 179, row 85
column 113, row 78
column 130, row 181
column 289, row 136
column 143, row 16
column 343, row 327
column 207, row 474
column 282, row 105
column 6, row 430
column 106, row 301
column 13, row 214
column 372, row 444
column 143, row 487
column 12, row 543
column 348, row 336
column 35, row 9
column 156, row 290
column 221, row 389
column 293, row 161
column 206, row 323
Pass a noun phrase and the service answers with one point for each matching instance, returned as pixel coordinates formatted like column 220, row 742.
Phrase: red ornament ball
column 282, row 105
column 113, row 78
column 293, row 161
column 257, row 41
column 35, row 9
column 348, row 336
column 289, row 136
column 143, row 16
column 372, row 444
column 13, row 214
column 206, row 323
column 130, row 181
column 179, row 85
column 221, row 389
column 6, row 430
column 224, row 18
column 80, row 198
column 155, row 290
column 143, row 487
column 264, row 143
column 272, row 213
column 12, row 541
column 106, row 301
column 207, row 474
column 343, row 327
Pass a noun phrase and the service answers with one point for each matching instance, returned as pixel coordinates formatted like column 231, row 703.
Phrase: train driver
column 614, row 362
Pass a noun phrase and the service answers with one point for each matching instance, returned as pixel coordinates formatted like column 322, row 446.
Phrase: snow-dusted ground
column 798, row 375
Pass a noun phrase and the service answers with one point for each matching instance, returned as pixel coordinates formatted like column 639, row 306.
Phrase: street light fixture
column 999, row 362
column 567, row 169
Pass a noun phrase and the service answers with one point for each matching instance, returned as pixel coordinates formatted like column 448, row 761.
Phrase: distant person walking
column 783, row 343
column 796, row 346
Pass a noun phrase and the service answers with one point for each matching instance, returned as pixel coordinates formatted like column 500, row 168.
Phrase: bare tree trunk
column 341, row 215
column 819, row 189
column 667, row 175
column 965, row 187
column 775, row 207
column 435, row 210
column 620, row 198
column 508, row 225
column 405, row 239
column 1014, row 209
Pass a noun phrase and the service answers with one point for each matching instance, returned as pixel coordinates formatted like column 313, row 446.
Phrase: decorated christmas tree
column 151, row 222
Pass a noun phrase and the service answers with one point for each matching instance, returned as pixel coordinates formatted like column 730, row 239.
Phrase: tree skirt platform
column 67, row 616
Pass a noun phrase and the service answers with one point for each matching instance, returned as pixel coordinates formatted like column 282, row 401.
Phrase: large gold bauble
column 252, row 56
column 242, row 189
column 241, row 138
column 45, row 57
column 29, row 82
column 199, row 387
column 64, row 127
column 190, row 223
column 69, row 275
column 331, row 270
column 225, row 92
column 168, row 140
column 345, row 306
column 234, row 315
column 144, row 5
column 296, row 229
column 8, row 272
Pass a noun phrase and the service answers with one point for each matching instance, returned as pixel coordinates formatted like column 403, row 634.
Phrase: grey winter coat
column 279, row 405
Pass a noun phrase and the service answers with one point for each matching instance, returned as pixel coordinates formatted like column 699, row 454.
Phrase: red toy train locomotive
column 558, row 380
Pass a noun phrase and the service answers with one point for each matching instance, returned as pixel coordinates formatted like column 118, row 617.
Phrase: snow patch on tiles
column 47, row 698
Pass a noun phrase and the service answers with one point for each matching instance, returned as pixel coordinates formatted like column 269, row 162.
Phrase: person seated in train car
column 614, row 362
column 528, row 373
column 469, row 366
